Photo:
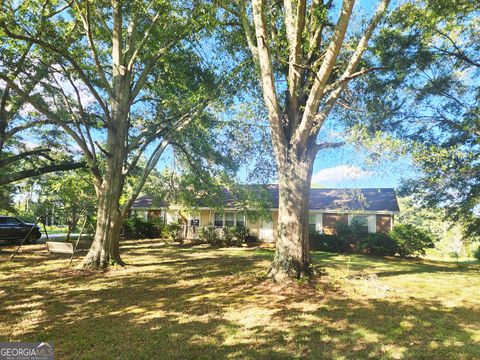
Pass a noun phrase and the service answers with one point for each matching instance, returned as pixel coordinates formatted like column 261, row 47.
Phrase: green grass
column 180, row 302
column 53, row 229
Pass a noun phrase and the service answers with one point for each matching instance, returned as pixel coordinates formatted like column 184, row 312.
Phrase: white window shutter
column 372, row 223
column 319, row 223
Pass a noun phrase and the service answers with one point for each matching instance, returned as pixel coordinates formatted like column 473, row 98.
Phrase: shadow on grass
column 393, row 266
column 205, row 303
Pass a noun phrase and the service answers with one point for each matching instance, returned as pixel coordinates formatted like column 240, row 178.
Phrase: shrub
column 411, row 240
column 234, row 236
column 347, row 237
column 229, row 235
column 404, row 240
column 476, row 253
column 251, row 238
column 170, row 231
column 209, row 235
column 139, row 228
column 329, row 243
column 241, row 234
column 378, row 244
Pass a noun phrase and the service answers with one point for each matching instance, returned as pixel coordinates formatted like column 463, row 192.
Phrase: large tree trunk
column 292, row 256
column 105, row 246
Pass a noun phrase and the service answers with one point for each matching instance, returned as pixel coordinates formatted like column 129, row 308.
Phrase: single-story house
column 374, row 208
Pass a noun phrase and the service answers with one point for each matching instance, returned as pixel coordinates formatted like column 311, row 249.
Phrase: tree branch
column 146, row 70
column 328, row 145
column 65, row 55
column 88, row 32
column 152, row 162
column 301, row 133
column 295, row 25
column 25, row 174
column 14, row 158
column 318, row 120
column 267, row 82
column 142, row 43
column 44, row 110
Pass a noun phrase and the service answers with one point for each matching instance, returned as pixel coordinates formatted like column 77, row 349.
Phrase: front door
column 266, row 230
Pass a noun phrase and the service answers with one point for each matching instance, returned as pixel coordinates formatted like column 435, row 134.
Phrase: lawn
column 184, row 302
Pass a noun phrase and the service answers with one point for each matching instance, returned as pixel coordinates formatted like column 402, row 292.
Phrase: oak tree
column 304, row 61
column 125, row 82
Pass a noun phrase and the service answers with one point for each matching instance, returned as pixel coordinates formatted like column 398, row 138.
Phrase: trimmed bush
column 411, row 240
column 229, row 236
column 209, row 235
column 232, row 236
column 328, row 243
column 137, row 228
column 378, row 244
column 251, row 238
column 403, row 240
column 241, row 234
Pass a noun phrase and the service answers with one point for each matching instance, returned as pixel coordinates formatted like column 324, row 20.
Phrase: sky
column 346, row 168
column 343, row 167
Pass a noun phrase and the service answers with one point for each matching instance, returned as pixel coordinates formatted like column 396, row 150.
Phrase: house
column 373, row 208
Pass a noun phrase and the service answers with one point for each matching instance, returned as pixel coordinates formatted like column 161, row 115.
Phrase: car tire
column 32, row 239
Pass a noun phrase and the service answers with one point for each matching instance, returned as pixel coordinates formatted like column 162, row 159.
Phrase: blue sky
column 346, row 168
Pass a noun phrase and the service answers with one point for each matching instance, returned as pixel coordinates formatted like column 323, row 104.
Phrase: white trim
column 318, row 220
column 319, row 223
column 266, row 234
column 235, row 218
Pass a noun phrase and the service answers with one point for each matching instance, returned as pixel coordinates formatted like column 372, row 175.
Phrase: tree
column 124, row 85
column 304, row 63
column 18, row 162
column 428, row 96
column 71, row 194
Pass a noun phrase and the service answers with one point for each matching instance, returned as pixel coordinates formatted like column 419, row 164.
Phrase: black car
column 14, row 229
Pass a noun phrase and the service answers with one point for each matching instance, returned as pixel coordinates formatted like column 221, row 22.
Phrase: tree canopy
column 124, row 81
column 428, row 95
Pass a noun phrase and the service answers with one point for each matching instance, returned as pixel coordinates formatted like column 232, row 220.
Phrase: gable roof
column 147, row 201
column 367, row 199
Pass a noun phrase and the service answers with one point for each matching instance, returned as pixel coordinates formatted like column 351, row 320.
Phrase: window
column 13, row 221
column 312, row 223
column 218, row 221
column 360, row 222
column 241, row 220
column 229, row 219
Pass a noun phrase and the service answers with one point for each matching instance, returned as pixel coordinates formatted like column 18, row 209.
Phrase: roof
column 147, row 201
column 367, row 199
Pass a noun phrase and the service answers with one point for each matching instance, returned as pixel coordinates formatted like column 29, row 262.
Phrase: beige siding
column 253, row 227
column 205, row 219
column 275, row 224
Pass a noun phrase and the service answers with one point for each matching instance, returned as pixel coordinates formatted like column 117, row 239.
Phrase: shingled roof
column 147, row 202
column 367, row 199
